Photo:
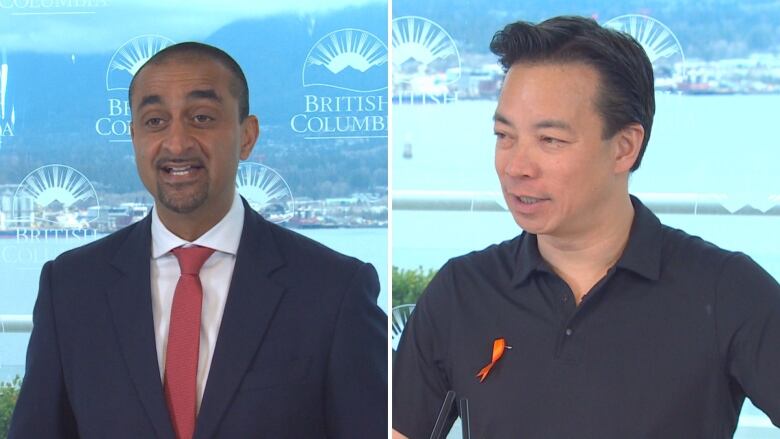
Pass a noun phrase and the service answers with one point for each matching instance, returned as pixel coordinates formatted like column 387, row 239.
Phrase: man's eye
column 202, row 118
column 550, row 140
column 499, row 135
column 153, row 122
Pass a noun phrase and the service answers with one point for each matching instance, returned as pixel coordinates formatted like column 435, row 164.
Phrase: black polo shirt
column 666, row 345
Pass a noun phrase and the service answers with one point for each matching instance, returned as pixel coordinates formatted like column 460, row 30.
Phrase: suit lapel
column 130, row 301
column 251, row 304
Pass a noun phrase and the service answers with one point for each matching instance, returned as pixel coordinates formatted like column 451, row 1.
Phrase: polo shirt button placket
column 568, row 349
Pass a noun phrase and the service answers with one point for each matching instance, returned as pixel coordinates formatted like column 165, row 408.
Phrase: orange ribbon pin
column 499, row 345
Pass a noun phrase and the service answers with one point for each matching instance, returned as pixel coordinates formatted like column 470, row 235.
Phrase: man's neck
column 191, row 226
column 583, row 259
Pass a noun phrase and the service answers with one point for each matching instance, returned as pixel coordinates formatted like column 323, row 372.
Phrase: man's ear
column 628, row 143
column 250, row 131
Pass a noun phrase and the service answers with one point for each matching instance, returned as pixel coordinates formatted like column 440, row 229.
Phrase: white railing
column 15, row 323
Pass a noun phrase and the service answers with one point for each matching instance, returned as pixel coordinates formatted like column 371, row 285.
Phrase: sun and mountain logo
column 347, row 59
column 129, row 58
column 7, row 110
column 345, row 80
column 661, row 45
column 265, row 191
column 114, row 125
column 60, row 196
column 422, row 47
column 426, row 61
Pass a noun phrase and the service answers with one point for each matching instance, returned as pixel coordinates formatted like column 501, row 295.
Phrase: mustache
column 167, row 161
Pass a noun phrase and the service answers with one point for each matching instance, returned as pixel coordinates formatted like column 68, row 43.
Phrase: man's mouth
column 529, row 200
column 524, row 199
column 180, row 170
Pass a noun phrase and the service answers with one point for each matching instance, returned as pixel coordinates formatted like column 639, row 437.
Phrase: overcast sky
column 27, row 26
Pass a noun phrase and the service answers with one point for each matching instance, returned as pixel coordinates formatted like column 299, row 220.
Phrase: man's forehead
column 539, row 88
column 553, row 77
column 184, row 68
column 187, row 79
column 183, row 58
column 560, row 65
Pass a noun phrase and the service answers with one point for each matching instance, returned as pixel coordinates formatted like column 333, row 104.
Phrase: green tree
column 409, row 284
column 9, row 392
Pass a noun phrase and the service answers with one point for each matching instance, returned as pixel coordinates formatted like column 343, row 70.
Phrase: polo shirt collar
column 223, row 237
column 642, row 254
column 528, row 259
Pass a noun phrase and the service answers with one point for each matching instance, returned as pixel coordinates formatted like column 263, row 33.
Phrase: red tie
column 181, row 357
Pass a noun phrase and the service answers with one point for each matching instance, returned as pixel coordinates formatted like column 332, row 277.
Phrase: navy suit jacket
column 301, row 351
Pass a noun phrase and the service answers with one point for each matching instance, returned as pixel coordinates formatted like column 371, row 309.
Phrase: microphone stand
column 444, row 413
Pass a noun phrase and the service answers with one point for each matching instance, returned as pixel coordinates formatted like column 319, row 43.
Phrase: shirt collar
column 223, row 237
column 642, row 254
column 527, row 259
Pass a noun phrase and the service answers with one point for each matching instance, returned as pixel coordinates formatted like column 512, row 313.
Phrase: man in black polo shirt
column 598, row 321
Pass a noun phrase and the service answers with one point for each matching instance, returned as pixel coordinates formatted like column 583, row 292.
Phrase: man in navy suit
column 291, row 342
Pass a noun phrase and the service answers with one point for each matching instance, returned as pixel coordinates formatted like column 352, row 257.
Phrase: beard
column 182, row 198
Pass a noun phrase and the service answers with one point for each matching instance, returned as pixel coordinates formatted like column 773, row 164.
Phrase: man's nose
column 522, row 161
column 178, row 139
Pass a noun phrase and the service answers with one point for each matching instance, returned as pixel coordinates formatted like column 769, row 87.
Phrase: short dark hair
column 238, row 87
column 626, row 88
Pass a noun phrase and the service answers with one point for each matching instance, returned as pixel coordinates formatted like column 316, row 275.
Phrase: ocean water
column 702, row 144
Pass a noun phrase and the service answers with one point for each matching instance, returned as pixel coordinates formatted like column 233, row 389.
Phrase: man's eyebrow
column 149, row 100
column 195, row 94
column 498, row 117
column 204, row 94
column 547, row 123
column 554, row 123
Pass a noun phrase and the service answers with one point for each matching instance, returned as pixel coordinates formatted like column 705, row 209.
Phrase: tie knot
column 191, row 259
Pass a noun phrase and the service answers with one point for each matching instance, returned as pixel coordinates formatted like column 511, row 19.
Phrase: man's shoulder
column 680, row 246
column 98, row 262
column 500, row 257
column 301, row 251
column 476, row 274
column 101, row 250
column 703, row 259
column 305, row 266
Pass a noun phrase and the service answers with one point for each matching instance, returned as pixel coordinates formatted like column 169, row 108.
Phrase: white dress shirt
column 215, row 277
